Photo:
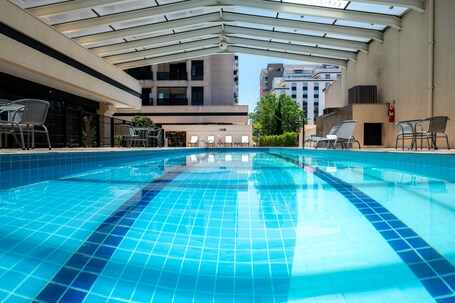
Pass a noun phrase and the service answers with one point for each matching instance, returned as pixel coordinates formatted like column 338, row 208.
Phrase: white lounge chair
column 245, row 140
column 313, row 140
column 227, row 140
column 193, row 141
column 210, row 140
column 344, row 136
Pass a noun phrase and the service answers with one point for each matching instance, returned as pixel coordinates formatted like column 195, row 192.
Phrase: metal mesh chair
column 432, row 129
column 128, row 136
column 29, row 117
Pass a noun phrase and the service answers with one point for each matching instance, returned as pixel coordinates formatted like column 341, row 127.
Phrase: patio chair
column 193, row 141
column 433, row 128
column 245, row 140
column 344, row 136
column 29, row 116
column 228, row 140
column 314, row 139
column 211, row 140
column 155, row 135
column 405, row 131
column 128, row 136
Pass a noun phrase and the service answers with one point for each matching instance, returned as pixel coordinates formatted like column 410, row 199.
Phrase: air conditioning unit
column 363, row 94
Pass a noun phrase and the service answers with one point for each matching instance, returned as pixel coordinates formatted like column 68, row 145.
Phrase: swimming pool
column 232, row 225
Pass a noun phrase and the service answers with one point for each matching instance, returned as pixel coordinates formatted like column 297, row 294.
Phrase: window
column 305, row 88
column 305, row 96
column 294, row 96
column 316, row 96
column 145, row 96
column 197, row 96
column 327, row 76
column 294, row 86
column 141, row 73
column 197, row 70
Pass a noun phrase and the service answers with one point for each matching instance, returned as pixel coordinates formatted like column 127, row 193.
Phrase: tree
column 276, row 115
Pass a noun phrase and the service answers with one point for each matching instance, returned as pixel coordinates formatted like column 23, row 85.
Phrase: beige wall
column 222, row 79
column 219, row 131
column 25, row 62
column 399, row 67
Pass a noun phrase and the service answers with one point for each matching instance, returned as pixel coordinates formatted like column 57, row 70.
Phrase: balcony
column 147, row 101
column 172, row 101
column 197, row 77
column 171, row 76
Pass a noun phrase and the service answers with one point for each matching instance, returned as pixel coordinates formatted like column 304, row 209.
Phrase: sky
column 249, row 70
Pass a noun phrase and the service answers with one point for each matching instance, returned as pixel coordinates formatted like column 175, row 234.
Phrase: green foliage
column 286, row 139
column 142, row 121
column 276, row 115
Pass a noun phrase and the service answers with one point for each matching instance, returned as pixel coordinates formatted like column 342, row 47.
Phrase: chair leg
column 47, row 136
column 447, row 140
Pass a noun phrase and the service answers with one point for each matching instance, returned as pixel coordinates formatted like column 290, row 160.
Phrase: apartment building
column 305, row 84
column 201, row 90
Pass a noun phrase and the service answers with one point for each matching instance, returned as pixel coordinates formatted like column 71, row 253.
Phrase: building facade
column 305, row 84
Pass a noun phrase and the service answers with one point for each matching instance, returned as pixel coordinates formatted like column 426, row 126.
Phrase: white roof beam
column 293, row 48
column 61, row 8
column 165, row 50
column 105, row 50
column 309, row 26
column 132, row 15
column 318, row 11
column 146, row 29
column 171, row 58
column 268, row 53
column 233, row 30
column 417, row 5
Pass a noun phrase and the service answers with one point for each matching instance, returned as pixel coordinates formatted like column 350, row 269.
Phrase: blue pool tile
column 51, row 293
column 84, row 281
column 389, row 234
column 450, row 280
column 422, row 270
column 436, row 287
column 450, row 299
column 410, row 256
column 66, row 276
column 429, row 254
column 396, row 224
column 381, row 226
column 374, row 218
column 417, row 242
column 399, row 245
column 442, row 267
column 406, row 232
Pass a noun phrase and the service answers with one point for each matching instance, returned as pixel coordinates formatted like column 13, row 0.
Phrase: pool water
column 229, row 227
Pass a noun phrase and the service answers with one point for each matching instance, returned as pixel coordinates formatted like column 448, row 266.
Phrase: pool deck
column 9, row 151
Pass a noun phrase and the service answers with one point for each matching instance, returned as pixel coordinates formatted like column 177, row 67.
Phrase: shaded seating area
column 129, row 137
column 193, row 141
column 430, row 129
column 344, row 136
column 24, row 118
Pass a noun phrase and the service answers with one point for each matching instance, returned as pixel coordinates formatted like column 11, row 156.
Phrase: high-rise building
column 196, row 91
column 269, row 73
column 305, row 84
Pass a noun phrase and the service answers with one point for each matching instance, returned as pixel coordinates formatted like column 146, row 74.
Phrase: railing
column 172, row 101
column 197, row 77
column 147, row 101
column 171, row 76
column 141, row 74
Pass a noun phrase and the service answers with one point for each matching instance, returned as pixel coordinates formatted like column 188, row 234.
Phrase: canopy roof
column 134, row 33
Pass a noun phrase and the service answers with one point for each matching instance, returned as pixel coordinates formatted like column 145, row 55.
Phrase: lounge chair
column 436, row 129
column 193, row 141
column 245, row 140
column 313, row 140
column 210, row 141
column 406, row 131
column 344, row 136
column 227, row 140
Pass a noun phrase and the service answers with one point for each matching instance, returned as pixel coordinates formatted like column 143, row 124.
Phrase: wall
column 222, row 79
column 399, row 67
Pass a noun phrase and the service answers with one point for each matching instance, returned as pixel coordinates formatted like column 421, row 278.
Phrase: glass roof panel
column 118, row 8
column 72, row 16
column 345, row 37
column 162, row 2
column 253, row 26
column 376, row 8
column 250, row 11
column 305, row 18
column 34, row 3
column 89, row 31
column 151, row 20
column 300, row 31
column 378, row 27
column 105, row 43
column 193, row 27
column 326, row 3
column 150, row 35
column 190, row 13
